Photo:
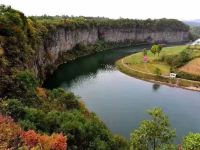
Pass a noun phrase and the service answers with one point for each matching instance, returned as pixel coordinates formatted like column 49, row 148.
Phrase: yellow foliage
column 41, row 92
column 1, row 51
column 8, row 131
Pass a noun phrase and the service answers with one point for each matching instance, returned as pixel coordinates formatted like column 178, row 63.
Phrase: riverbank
column 134, row 66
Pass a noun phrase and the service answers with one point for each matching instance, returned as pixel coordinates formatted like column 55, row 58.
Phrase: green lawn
column 136, row 61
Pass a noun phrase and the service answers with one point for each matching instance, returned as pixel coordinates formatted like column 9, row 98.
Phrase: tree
column 158, row 72
column 33, row 140
column 35, row 118
column 191, row 141
column 159, row 49
column 154, row 49
column 9, row 133
column 121, row 143
column 13, row 108
column 23, row 87
column 66, row 99
column 152, row 133
column 185, row 56
column 145, row 51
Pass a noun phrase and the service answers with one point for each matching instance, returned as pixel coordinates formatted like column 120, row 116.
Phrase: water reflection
column 86, row 66
column 155, row 86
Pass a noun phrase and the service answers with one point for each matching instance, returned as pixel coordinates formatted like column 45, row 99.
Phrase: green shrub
column 144, row 51
column 27, row 125
column 26, row 79
column 158, row 72
column 13, row 108
column 121, row 143
column 67, row 99
column 192, row 141
column 188, row 76
column 177, row 60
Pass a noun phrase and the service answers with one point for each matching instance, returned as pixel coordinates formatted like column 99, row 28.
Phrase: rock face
column 63, row 40
column 146, row 36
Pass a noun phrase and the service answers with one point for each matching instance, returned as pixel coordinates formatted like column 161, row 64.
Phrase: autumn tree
column 152, row 133
column 42, row 141
column 9, row 132
column 13, row 137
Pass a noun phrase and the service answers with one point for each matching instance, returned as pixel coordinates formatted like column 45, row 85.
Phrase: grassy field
column 193, row 67
column 135, row 66
column 136, row 61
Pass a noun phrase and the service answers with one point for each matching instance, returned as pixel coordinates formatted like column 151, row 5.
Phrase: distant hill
column 192, row 22
column 194, row 27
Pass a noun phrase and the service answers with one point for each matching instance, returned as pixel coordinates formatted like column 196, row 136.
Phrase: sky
column 135, row 9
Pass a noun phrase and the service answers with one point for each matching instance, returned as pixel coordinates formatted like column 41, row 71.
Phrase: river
column 121, row 101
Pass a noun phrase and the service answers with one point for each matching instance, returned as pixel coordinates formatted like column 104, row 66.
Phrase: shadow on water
column 85, row 66
column 156, row 87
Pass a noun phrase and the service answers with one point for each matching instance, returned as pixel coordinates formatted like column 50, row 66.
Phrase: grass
column 192, row 67
column 136, row 60
column 134, row 65
column 160, row 79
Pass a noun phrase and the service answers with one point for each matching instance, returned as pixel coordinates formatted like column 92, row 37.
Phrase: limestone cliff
column 142, row 35
column 64, row 40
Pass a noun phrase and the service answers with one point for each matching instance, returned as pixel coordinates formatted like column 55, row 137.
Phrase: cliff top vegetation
column 87, row 22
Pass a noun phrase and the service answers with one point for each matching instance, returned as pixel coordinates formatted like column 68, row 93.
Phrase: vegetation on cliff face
column 85, row 22
column 195, row 31
column 19, row 41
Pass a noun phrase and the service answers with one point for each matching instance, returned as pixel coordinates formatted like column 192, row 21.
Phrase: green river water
column 121, row 101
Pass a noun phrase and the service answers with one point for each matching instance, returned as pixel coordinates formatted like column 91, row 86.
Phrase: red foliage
column 54, row 142
column 44, row 141
column 9, row 131
column 59, row 142
column 5, row 119
column 30, row 138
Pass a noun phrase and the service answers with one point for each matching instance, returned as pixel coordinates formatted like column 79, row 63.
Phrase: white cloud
column 141, row 9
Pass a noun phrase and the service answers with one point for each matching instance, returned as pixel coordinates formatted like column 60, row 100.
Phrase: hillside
column 193, row 22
